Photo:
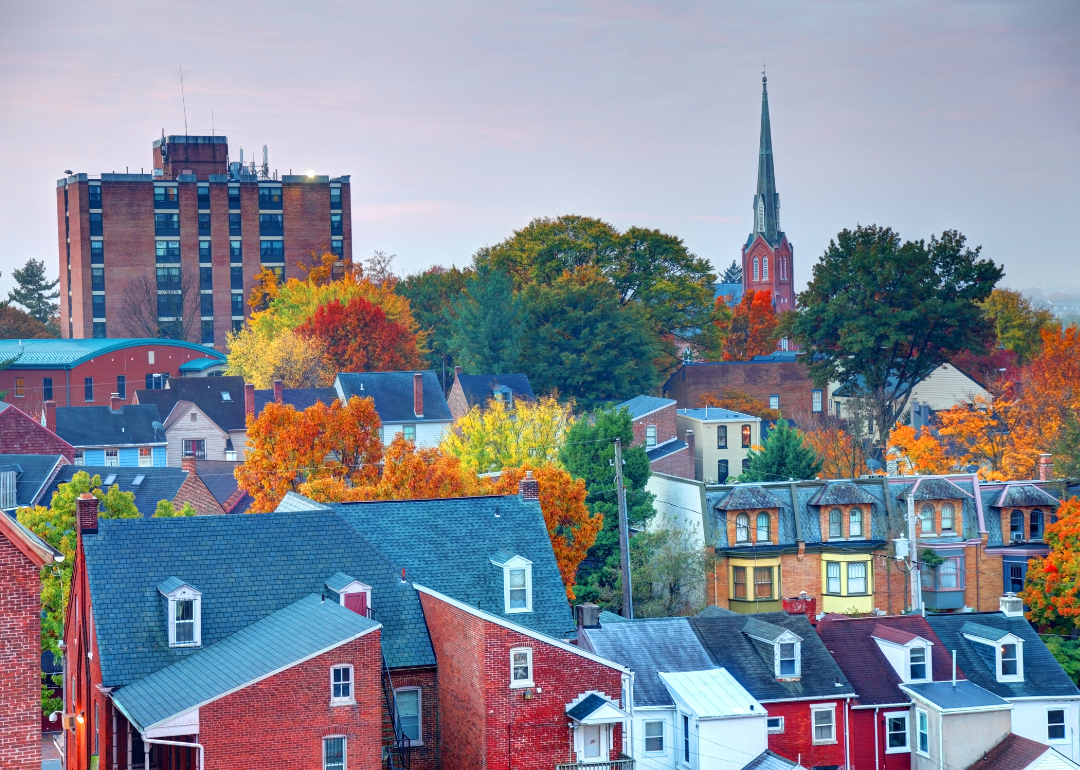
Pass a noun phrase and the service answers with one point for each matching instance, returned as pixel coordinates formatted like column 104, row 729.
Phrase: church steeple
column 766, row 201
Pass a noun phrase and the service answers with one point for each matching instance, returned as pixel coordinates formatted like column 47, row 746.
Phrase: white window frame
column 650, row 433
column 355, row 587
column 830, row 708
column 906, row 716
column 146, row 461
column 344, row 701
column 774, row 730
column 115, row 457
column 419, row 712
column 685, row 746
column 519, row 683
column 80, row 457
column 1064, row 709
column 344, row 750
column 1019, row 646
column 815, row 400
column 663, row 734
column 865, row 578
column 925, row 663
column 517, row 563
column 922, row 716
column 181, row 594
column 788, row 638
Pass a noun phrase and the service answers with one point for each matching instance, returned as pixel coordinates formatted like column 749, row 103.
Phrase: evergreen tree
column 784, row 456
column 733, row 273
column 430, row 296
column 487, row 325
column 35, row 292
column 589, row 454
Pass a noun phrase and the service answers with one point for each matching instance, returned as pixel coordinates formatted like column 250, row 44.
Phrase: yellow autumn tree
column 528, row 433
column 918, row 452
column 297, row 361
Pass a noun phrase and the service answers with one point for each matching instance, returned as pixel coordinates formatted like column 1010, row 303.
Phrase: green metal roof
column 199, row 364
column 67, row 354
column 289, row 636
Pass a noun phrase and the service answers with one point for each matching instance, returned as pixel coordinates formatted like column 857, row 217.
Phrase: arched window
column 927, row 520
column 855, row 523
column 836, row 529
column 763, row 527
column 1016, row 525
column 948, row 516
column 757, row 275
column 742, row 528
column 760, row 216
column 764, row 268
column 1036, row 524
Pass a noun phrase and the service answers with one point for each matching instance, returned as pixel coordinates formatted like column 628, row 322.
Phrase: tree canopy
column 784, row 455
column 431, row 296
column 1018, row 322
column 498, row 437
column 35, row 292
column 732, row 273
column 358, row 336
column 749, row 328
column 486, row 325
column 1050, row 586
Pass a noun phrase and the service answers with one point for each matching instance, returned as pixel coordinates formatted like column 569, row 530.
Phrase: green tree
column 487, row 325
column 1067, row 450
column 166, row 510
column 668, row 566
column 580, row 342
column 35, row 292
column 1018, row 322
column 784, row 456
column 1066, row 652
column 589, row 454
column 431, row 295
column 732, row 274
column 882, row 315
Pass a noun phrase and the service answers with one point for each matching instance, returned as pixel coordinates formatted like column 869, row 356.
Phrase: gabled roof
column 735, row 651
column 393, row 395
column 32, row 475
column 745, row 498
column 934, row 489
column 100, row 426
column 67, row 354
column 648, row 647
column 478, row 388
column 768, row 760
column 713, row 611
column 1017, row 753
column 639, row 406
column 766, row 632
column 29, row 544
column 156, row 484
column 1043, row 676
column 219, row 477
column 1024, row 495
column 299, row 398
column 594, row 709
column 291, row 635
column 711, row 694
column 842, row 493
column 851, row 642
column 989, row 633
column 207, row 393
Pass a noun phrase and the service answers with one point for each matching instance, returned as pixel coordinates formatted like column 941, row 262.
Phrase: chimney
column 418, row 393
column 86, row 512
column 1011, row 605
column 187, row 462
column 249, row 400
column 691, row 448
column 587, row 616
column 279, row 391
column 49, row 407
column 115, row 402
column 457, row 371
column 803, row 604
column 1046, row 467
column 528, row 487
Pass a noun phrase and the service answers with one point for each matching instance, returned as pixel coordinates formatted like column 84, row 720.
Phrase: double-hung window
column 408, row 432
column 184, row 622
column 836, row 524
column 521, row 667
column 763, row 582
column 832, row 577
column 789, row 662
column 815, row 400
column 926, row 520
column 742, row 528
column 112, row 458
column 896, row 731
column 519, row 591
column 654, row 736
column 738, row 582
column 856, row 577
column 763, row 527
column 855, row 522
column 650, row 435
column 407, row 701
column 721, row 437
column 824, row 723
column 334, row 753
column 1055, row 724
column 918, row 663
column 341, row 685
column 146, row 456
column 922, row 723
column 746, row 435
column 685, row 739
column 947, row 517
column 1008, row 660
column 722, row 471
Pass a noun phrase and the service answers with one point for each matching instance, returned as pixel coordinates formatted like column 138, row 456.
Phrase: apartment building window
column 650, row 435
column 204, row 224
column 335, row 224
column 97, row 252
column 206, row 304
column 166, row 224
column 99, row 330
column 738, row 582
column 271, row 224
column 855, row 523
column 88, row 388
column 167, row 251
column 46, row 389
column 236, row 252
column 207, row 332
column 97, row 279
column 815, row 400
column 721, row 471
column 97, row 302
column 20, row 387
column 272, row 251
column 94, row 198
column 762, row 527
column 278, row 271
column 157, row 381
column 205, row 255
column 166, row 197
column 121, row 386
column 721, row 437
column 237, row 304
column 234, row 198
column 168, row 278
column 335, row 197
column 337, row 248
column 236, row 278
column 195, row 447
column 774, row 401
column 206, row 279
column 95, row 224
column 746, row 435
column 763, row 582
column 270, row 198
column 334, row 753
column 235, row 224
column 204, row 197
column 407, row 701
column 169, row 305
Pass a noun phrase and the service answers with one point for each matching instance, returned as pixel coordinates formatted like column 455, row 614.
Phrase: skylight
column 138, row 480
column 109, row 480
column 226, row 397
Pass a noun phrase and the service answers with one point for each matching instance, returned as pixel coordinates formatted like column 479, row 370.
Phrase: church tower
column 766, row 256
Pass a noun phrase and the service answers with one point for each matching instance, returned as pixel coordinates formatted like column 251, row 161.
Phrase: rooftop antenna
column 212, row 123
column 183, row 97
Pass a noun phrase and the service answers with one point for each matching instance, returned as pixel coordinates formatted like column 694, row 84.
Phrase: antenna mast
column 183, row 97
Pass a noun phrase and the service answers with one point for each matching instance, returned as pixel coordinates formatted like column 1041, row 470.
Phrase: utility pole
column 916, row 571
column 624, row 535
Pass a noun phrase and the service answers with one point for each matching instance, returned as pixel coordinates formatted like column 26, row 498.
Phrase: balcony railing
column 622, row 763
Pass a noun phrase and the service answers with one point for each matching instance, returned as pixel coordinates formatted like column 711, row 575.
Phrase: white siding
column 677, row 503
column 729, row 744
column 428, row 434
column 946, row 387
column 1029, row 721
column 202, row 428
column 664, row 760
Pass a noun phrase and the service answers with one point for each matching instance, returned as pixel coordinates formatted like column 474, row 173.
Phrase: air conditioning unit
column 1016, row 537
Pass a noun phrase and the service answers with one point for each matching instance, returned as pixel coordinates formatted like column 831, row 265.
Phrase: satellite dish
column 157, row 425
column 873, row 464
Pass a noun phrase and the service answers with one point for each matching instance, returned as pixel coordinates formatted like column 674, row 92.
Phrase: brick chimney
column 115, row 402
column 279, row 391
column 803, row 604
column 249, row 400
column 418, row 394
column 187, row 462
column 1046, row 467
column 691, row 449
column 528, row 487
column 457, row 371
column 86, row 512
column 49, row 409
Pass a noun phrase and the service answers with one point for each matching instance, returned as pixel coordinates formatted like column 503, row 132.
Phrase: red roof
column 852, row 644
column 1013, row 753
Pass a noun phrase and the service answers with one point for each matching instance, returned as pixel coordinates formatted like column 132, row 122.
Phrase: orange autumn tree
column 992, row 434
column 841, row 456
column 359, row 337
column 749, row 329
column 738, row 401
column 918, row 452
column 1050, row 586
column 1049, row 388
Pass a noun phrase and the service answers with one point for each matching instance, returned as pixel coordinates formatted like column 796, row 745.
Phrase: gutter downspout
column 148, row 741
column 877, row 754
column 847, row 735
column 940, row 740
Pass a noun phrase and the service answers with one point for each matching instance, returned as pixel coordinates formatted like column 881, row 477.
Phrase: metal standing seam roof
column 712, row 694
column 67, row 354
column 393, row 395
column 200, row 364
column 663, row 450
column 278, row 641
column 961, row 696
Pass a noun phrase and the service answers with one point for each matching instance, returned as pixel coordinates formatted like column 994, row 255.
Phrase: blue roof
column 665, row 449
column 962, row 695
column 282, row 639
column 733, row 290
column 157, row 483
column 200, row 364
column 102, row 426
column 67, row 354
column 640, row 406
column 716, row 413
column 393, row 395
column 33, row 472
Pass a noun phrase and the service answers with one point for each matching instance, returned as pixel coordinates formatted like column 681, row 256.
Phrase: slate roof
column 393, row 395
column 647, row 648
column 425, row 536
column 1023, row 495
column 1013, row 753
column 768, row 760
column 989, row 633
column 760, row 629
column 744, row 498
column 477, row 388
column 157, row 483
column 842, row 493
column 67, row 354
column 1043, row 676
column 100, row 426
column 663, row 450
column 279, row 640
column 33, row 472
column 584, row 708
column 639, row 406
column 247, row 567
column 206, row 393
column 299, row 398
column 851, row 642
column 728, row 647
column 964, row 695
column 935, row 489
column 712, row 611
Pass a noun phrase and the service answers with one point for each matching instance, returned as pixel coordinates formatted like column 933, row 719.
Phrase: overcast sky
column 460, row 122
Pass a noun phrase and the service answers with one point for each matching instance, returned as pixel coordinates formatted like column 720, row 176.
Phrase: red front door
column 357, row 602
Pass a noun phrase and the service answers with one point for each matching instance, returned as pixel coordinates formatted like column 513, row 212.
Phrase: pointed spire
column 766, row 201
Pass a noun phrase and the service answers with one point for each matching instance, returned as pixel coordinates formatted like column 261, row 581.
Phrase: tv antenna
column 183, row 97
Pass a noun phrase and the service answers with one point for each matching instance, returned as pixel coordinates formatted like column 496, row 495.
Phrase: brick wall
column 796, row 742
column 782, row 288
column 281, row 721
column 425, row 757
column 891, row 589
column 751, row 518
column 760, row 380
column 129, row 243
column 801, row 572
column 21, row 434
column 984, row 578
column 663, row 419
column 679, row 464
column 307, row 223
column 20, row 656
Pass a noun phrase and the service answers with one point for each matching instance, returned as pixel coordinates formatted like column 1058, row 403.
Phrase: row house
column 363, row 635
column 410, row 403
column 656, row 430
column 117, row 434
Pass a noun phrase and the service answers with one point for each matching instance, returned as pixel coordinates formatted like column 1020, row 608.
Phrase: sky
column 460, row 122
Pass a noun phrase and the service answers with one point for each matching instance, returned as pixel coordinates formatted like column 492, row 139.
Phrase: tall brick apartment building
column 181, row 245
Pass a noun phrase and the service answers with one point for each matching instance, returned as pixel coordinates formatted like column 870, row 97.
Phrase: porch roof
column 712, row 694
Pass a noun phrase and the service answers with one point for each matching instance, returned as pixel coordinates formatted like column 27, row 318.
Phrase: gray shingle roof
column 1023, row 495
column 299, row 398
column 34, row 471
column 478, row 388
column 640, row 406
column 277, row 641
column 1043, row 676
column 206, row 393
column 935, row 489
column 767, row 760
column 759, row 629
column 663, row 450
column 157, row 483
column 712, row 611
column 219, row 477
column 96, row 426
column 744, row 498
column 393, row 395
column 842, row 493
column 984, row 632
column 964, row 695
column 647, row 647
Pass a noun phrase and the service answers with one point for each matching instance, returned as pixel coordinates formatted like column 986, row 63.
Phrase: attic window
column 918, row 664
column 109, row 480
column 788, row 659
column 517, row 582
column 226, row 397
column 1008, row 660
column 183, row 613
column 7, row 490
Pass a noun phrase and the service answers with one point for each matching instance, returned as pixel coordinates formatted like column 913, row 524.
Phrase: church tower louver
column 767, row 254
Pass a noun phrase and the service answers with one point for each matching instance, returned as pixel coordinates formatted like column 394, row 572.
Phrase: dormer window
column 907, row 653
column 1008, row 660
column 1036, row 524
column 836, row 527
column 742, row 528
column 352, row 594
column 183, row 604
column 517, row 581
column 788, row 660
column 763, row 527
column 948, row 517
column 917, row 666
column 855, row 523
column 1002, row 651
column 1016, row 526
column 926, row 520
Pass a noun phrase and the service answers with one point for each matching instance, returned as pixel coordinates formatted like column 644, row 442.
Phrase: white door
column 592, row 738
